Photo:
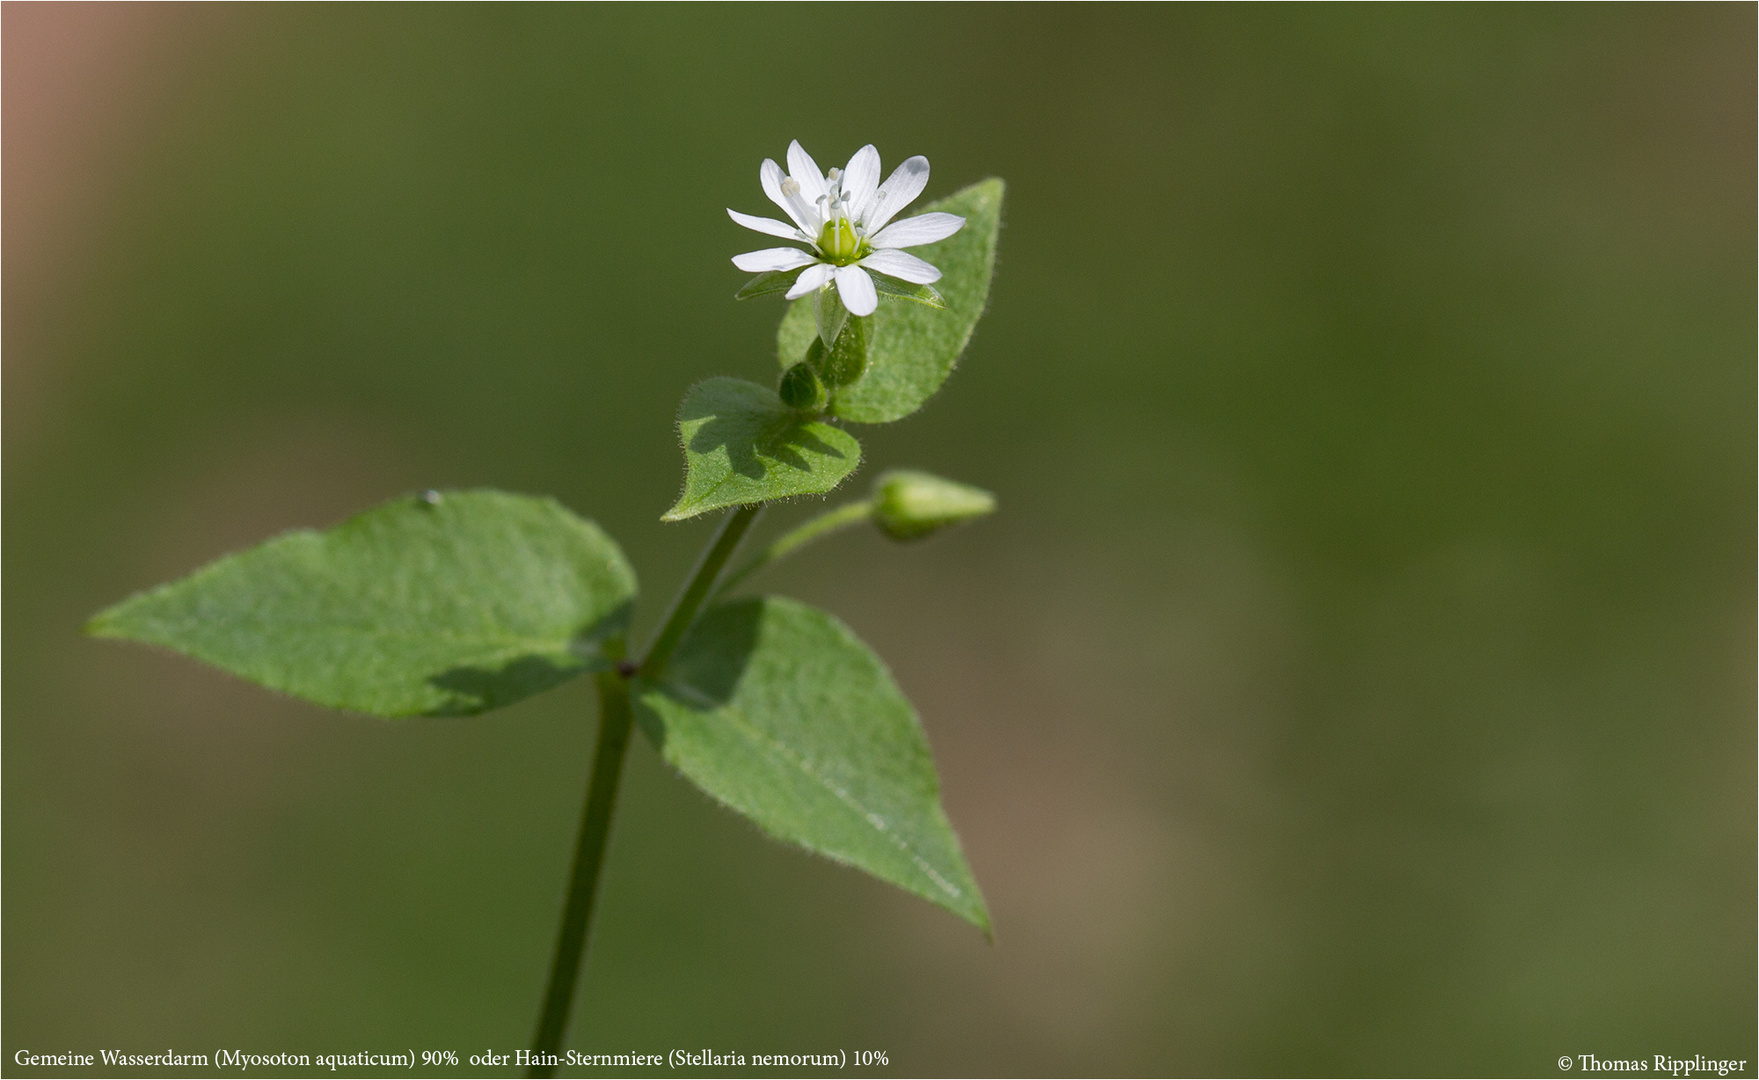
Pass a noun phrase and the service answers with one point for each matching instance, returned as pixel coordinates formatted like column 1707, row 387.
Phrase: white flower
column 843, row 220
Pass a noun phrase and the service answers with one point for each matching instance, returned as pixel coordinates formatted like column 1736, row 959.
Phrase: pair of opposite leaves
column 457, row 603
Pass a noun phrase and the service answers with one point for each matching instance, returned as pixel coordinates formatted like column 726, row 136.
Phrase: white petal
column 762, row 262
column 766, row 225
column 771, row 176
column 861, row 180
column 899, row 191
column 811, row 278
column 921, row 229
column 857, row 291
column 903, row 266
column 805, row 171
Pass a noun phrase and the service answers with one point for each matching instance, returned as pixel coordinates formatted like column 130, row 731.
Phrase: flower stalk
column 616, row 717
column 615, row 720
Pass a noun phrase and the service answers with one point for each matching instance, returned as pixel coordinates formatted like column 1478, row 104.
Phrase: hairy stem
column 696, row 590
column 615, row 720
column 589, row 857
column 826, row 523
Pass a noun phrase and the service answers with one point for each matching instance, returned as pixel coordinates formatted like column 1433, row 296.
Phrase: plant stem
column 615, row 720
column 690, row 598
column 826, row 523
column 589, row 857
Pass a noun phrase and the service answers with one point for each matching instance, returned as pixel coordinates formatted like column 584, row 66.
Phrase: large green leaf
column 777, row 710
column 742, row 445
column 436, row 604
column 912, row 347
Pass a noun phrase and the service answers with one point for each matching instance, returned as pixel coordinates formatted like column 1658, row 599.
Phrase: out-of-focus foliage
column 909, row 504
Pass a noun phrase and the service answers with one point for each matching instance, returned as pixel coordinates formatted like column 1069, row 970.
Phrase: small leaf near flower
column 744, row 445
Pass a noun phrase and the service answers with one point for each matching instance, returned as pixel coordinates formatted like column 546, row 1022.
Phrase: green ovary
column 840, row 243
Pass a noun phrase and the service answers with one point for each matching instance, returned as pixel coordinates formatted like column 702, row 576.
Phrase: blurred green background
column 1359, row 678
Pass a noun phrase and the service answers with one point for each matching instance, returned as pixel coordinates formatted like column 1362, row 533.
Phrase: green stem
column 589, row 857
column 826, row 523
column 615, row 720
column 690, row 598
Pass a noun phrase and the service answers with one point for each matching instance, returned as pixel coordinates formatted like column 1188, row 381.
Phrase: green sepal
column 774, row 281
column 743, row 445
column 886, row 285
column 438, row 604
column 912, row 348
column 781, row 713
column 845, row 362
column 828, row 313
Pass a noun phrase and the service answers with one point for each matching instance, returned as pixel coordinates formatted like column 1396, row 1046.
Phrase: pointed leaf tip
column 778, row 711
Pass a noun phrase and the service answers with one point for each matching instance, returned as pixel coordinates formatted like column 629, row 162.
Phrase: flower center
column 840, row 242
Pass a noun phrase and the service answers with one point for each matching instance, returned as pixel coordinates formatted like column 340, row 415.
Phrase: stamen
column 804, row 212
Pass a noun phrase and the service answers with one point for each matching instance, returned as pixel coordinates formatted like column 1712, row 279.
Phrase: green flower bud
column 908, row 505
column 801, row 390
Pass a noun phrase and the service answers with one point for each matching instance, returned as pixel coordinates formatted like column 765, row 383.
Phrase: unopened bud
column 801, row 390
column 908, row 505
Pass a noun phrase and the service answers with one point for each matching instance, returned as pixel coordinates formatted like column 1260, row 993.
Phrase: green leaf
column 774, row 281
column 436, row 604
column 777, row 710
column 743, row 445
column 912, row 348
